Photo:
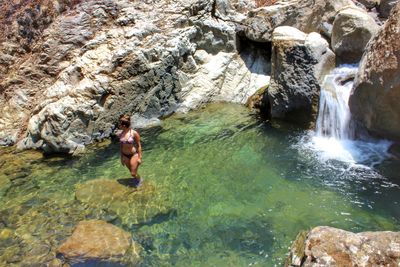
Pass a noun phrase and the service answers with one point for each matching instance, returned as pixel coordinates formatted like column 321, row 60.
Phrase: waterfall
column 334, row 114
column 334, row 138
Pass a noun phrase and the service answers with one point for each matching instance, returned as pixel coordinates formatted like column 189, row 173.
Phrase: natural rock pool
column 221, row 188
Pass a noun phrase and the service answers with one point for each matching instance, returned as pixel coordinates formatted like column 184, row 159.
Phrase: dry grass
column 260, row 3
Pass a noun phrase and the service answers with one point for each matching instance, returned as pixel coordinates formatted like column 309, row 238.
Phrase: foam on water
column 333, row 139
column 355, row 153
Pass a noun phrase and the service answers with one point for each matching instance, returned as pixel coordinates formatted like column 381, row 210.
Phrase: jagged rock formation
column 99, row 59
column 352, row 29
column 327, row 246
column 299, row 63
column 375, row 98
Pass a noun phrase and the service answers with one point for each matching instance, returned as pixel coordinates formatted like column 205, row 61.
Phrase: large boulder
column 352, row 29
column 305, row 15
column 385, row 7
column 299, row 62
column 97, row 241
column 375, row 98
column 327, row 246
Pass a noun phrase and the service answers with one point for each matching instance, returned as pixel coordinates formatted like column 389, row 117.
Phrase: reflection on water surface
column 238, row 191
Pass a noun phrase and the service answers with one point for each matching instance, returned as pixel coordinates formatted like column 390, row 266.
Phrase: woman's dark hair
column 125, row 120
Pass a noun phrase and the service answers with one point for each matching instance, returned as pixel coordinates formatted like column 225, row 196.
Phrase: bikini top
column 130, row 140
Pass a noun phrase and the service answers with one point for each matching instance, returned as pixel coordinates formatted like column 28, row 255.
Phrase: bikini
column 131, row 141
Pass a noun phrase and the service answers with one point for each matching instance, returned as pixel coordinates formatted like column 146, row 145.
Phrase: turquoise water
column 238, row 192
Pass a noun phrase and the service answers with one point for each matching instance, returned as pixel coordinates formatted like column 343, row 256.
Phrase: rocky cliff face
column 375, row 98
column 70, row 68
column 95, row 60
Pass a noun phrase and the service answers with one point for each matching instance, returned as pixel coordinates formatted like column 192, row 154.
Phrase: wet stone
column 99, row 241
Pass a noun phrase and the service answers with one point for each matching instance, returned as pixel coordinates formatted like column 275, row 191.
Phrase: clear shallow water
column 241, row 190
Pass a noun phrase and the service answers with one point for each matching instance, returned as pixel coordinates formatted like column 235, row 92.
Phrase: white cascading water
column 334, row 114
column 333, row 138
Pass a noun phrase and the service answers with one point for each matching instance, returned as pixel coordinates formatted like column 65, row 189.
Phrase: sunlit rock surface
column 299, row 62
column 305, row 15
column 375, row 98
column 328, row 246
column 99, row 241
column 99, row 59
column 352, row 29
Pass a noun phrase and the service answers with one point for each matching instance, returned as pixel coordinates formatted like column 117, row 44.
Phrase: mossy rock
column 257, row 100
column 297, row 251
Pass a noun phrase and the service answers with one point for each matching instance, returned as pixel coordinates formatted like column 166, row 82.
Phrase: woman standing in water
column 131, row 149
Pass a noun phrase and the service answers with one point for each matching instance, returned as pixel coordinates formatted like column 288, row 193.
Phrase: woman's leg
column 126, row 162
column 134, row 165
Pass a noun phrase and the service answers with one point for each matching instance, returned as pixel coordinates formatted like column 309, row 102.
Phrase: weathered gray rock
column 375, row 97
column 99, row 241
column 352, row 29
column 305, row 15
column 299, row 62
column 385, row 7
column 327, row 246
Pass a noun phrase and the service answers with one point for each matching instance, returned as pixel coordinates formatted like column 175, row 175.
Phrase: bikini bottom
column 129, row 156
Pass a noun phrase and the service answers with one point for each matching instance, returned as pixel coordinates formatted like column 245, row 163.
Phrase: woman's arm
column 137, row 139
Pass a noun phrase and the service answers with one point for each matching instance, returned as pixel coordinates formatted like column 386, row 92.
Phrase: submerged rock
column 375, row 98
column 327, row 246
column 352, row 29
column 299, row 62
column 131, row 205
column 98, row 241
